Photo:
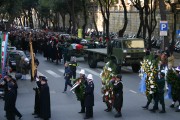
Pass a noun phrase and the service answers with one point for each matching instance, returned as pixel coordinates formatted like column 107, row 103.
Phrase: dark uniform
column 159, row 95
column 45, row 109
column 10, row 99
column 68, row 75
column 37, row 98
column 178, row 91
column 89, row 99
column 118, row 96
column 80, row 92
column 73, row 64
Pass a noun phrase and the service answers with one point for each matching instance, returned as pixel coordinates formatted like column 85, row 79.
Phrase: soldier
column 159, row 95
column 10, row 102
column 178, row 91
column 45, row 108
column 68, row 75
column 89, row 97
column 118, row 95
column 81, row 89
column 37, row 96
column 73, row 64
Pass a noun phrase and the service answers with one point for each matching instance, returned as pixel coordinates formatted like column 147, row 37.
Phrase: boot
column 146, row 106
column 163, row 109
column 118, row 115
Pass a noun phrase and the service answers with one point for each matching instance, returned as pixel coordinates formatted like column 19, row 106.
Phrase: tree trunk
column 63, row 20
column 121, row 32
column 141, row 17
column 94, row 21
column 70, row 24
column 85, row 18
column 30, row 19
column 73, row 18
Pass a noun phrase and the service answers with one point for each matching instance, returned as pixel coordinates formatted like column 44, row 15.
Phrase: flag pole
column 32, row 58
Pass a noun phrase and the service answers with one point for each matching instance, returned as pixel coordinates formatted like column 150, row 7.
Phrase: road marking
column 132, row 91
column 53, row 73
column 40, row 74
column 61, row 70
column 90, row 71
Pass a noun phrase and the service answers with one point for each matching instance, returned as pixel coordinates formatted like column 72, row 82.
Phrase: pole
column 32, row 57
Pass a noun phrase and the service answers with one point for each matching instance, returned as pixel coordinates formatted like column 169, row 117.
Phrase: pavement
column 64, row 106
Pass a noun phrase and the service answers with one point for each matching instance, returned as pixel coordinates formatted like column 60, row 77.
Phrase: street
column 64, row 106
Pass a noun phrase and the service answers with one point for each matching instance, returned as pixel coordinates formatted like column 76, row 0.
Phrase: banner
column 4, row 43
column 0, row 49
column 33, row 68
column 79, row 33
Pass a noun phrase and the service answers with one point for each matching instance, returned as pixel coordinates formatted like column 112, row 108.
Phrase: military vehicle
column 123, row 52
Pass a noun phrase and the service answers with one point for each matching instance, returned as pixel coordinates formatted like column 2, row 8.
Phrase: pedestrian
column 10, row 102
column 45, row 107
column 89, row 97
column 67, row 77
column 178, row 90
column 24, row 67
column 118, row 95
column 80, row 90
column 73, row 65
column 159, row 95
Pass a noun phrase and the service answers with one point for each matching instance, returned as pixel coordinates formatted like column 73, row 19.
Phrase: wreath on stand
column 150, row 67
column 107, row 75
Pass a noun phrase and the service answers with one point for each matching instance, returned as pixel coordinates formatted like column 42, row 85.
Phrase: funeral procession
column 90, row 59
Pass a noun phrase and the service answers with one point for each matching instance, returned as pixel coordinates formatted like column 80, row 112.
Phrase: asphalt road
column 64, row 106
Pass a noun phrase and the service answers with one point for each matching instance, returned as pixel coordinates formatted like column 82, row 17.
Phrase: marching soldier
column 45, row 108
column 37, row 96
column 89, row 97
column 68, row 75
column 118, row 95
column 80, row 90
column 73, row 64
column 159, row 95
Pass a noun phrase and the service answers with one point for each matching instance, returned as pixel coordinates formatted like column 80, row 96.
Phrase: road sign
column 163, row 28
column 178, row 33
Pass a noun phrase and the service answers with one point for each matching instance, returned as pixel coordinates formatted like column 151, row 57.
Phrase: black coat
column 118, row 94
column 45, row 109
column 10, row 100
column 89, row 94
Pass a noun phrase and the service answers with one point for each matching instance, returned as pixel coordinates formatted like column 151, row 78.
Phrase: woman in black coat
column 118, row 95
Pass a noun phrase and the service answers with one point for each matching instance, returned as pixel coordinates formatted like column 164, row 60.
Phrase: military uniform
column 118, row 95
column 73, row 65
column 159, row 95
column 89, row 98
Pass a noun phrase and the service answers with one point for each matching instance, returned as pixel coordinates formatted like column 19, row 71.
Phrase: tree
column 138, row 5
column 121, row 32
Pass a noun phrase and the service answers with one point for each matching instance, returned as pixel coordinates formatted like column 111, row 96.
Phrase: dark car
column 13, row 55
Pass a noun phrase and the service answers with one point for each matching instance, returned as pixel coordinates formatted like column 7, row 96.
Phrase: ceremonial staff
column 32, row 58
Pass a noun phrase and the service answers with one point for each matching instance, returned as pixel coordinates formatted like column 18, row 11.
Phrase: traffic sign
column 178, row 33
column 163, row 28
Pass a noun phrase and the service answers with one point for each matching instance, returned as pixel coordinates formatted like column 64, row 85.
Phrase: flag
column 4, row 43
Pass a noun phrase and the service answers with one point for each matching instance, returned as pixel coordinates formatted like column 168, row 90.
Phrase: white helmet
column 82, row 72
column 90, row 77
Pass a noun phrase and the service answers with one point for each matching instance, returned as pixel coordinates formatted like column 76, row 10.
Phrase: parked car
column 13, row 55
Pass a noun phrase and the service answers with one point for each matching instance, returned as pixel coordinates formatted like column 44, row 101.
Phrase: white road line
column 92, row 72
column 40, row 74
column 53, row 73
column 61, row 70
column 132, row 91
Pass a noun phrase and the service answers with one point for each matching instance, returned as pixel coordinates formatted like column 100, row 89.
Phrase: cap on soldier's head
column 90, row 77
column 119, row 76
column 43, row 78
column 162, row 74
column 82, row 72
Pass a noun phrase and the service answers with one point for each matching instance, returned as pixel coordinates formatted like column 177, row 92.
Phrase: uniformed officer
column 159, row 95
column 73, row 64
column 67, row 76
column 118, row 95
column 89, row 97
column 81, row 89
